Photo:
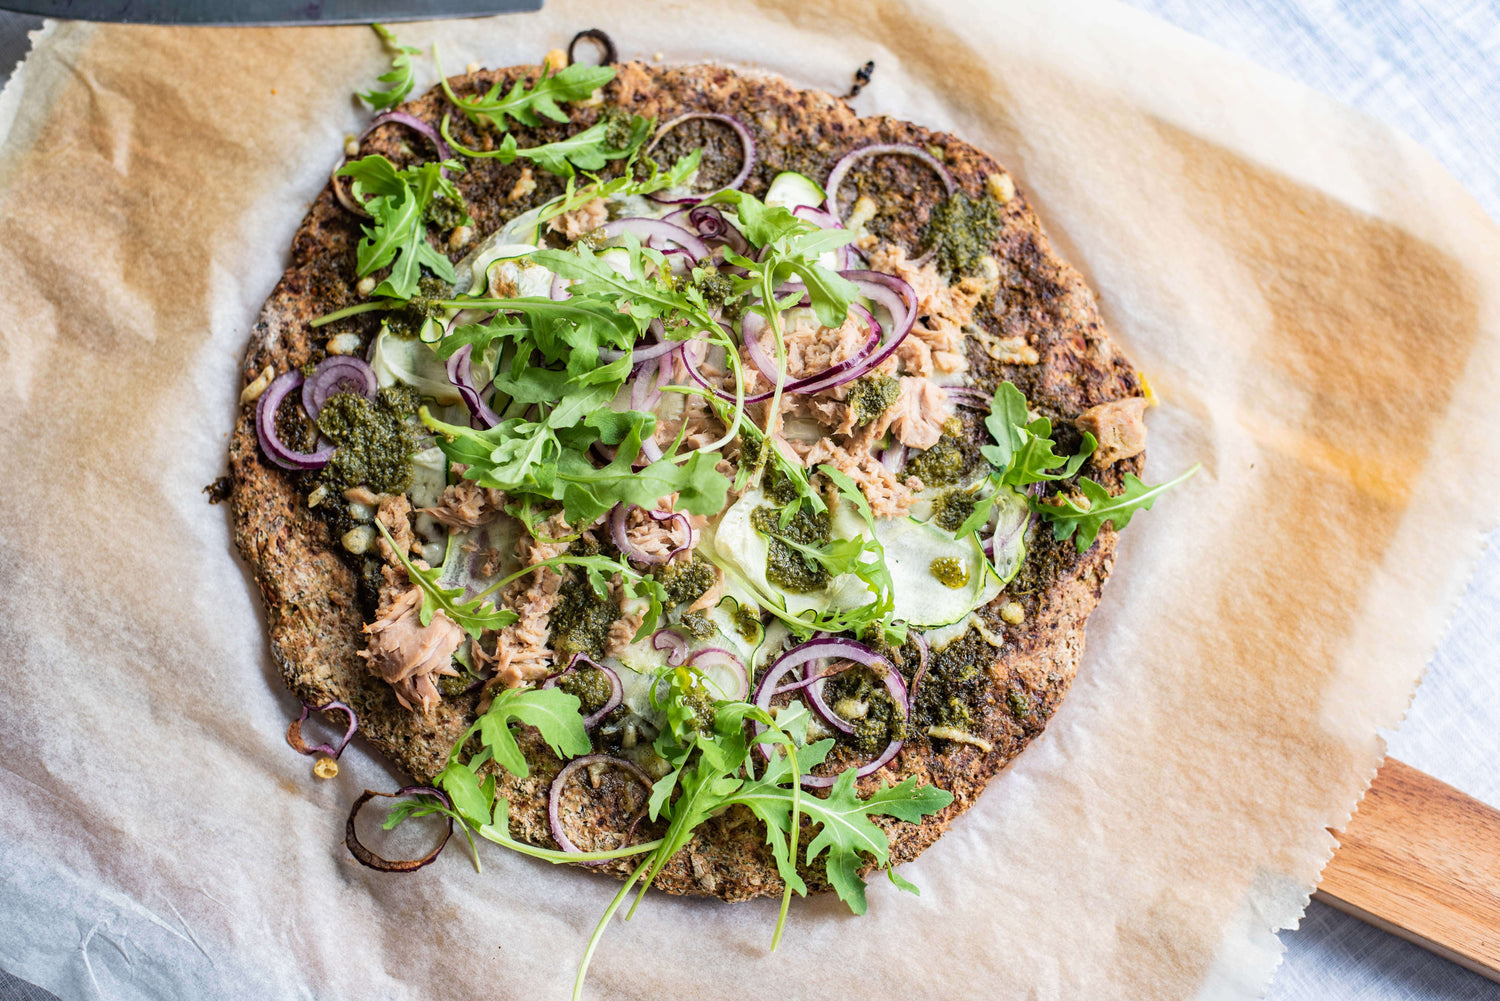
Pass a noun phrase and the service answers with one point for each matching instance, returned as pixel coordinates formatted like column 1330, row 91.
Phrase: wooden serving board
column 1421, row 860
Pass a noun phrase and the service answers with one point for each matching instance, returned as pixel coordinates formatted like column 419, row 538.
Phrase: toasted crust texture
column 312, row 611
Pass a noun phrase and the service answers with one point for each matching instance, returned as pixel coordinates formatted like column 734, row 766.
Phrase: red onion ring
column 558, row 291
column 674, row 643
column 461, row 374
column 747, row 146
column 845, row 650
column 368, row 858
column 294, row 730
column 265, row 427
column 616, row 688
column 345, row 198
column 718, row 655
column 338, row 374
column 653, row 232
column 836, row 176
column 554, row 796
column 415, row 124
column 894, row 684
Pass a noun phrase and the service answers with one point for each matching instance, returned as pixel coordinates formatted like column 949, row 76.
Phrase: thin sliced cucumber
column 791, row 189
column 921, row 599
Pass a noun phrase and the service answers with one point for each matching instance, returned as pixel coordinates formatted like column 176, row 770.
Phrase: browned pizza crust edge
column 314, row 618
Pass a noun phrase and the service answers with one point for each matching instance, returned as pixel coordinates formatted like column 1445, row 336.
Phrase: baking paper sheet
column 1313, row 299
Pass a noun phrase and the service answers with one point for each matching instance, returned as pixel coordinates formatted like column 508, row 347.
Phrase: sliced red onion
column 894, row 684
column 345, row 198
column 368, row 858
column 633, row 552
column 559, row 289
column 893, row 458
column 338, row 374
column 656, row 234
column 819, row 649
column 616, row 689
column 674, row 643
column 924, row 652
column 554, row 797
column 265, row 427
column 747, row 145
column 836, row 176
column 294, row 730
column 968, row 396
column 461, row 374
column 718, row 656
column 709, row 222
column 607, row 52
column 825, row 781
column 846, row 650
column 414, row 123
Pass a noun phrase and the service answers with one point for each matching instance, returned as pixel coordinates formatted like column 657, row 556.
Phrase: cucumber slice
column 1014, row 515
column 407, row 360
column 920, row 598
column 790, row 189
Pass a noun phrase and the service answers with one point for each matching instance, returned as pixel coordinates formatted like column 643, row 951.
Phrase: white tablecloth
column 1432, row 71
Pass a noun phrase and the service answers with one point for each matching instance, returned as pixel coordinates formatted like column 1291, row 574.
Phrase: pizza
column 679, row 474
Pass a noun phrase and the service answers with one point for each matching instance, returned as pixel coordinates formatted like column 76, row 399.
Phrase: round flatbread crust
column 312, row 611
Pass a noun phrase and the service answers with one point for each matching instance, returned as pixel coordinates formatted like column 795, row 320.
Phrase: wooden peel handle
column 1421, row 860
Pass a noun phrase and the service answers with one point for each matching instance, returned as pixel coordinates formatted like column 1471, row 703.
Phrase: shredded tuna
column 945, row 313
column 408, row 655
column 708, row 599
column 652, row 537
column 584, row 219
column 888, row 497
column 394, row 512
column 1120, row 427
column 622, row 631
column 465, row 505
column 521, row 653
column 917, row 416
column 362, row 495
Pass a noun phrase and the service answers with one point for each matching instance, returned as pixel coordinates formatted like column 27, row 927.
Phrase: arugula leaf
column 1022, row 452
column 471, row 616
column 398, row 209
column 400, row 76
column 534, row 104
column 1068, row 516
column 588, row 149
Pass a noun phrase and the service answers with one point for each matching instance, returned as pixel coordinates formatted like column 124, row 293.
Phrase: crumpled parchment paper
column 1313, row 299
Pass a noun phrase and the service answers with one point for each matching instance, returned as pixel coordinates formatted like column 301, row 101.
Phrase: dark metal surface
column 285, row 12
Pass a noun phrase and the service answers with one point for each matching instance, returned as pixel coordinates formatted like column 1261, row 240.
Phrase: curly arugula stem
column 609, row 912
column 796, row 825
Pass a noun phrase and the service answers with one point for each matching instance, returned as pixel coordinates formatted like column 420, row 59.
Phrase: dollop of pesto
column 785, row 567
column 375, row 442
column 715, row 288
column 686, row 580
column 882, row 721
column 406, row 320
column 950, row 571
column 952, row 508
column 592, row 687
column 872, row 396
column 446, row 212
column 942, row 465
column 747, row 622
column 697, row 625
column 960, row 231
column 581, row 619
column 617, row 132
column 952, row 685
